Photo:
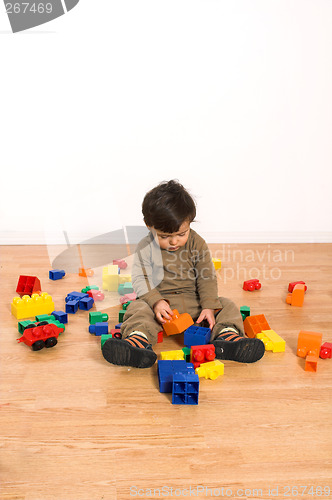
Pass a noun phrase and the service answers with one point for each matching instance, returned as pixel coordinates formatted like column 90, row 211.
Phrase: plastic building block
column 23, row 325
column 126, row 304
column 60, row 316
column 41, row 336
column 124, row 278
column 251, row 285
column 185, row 389
column 196, row 335
column 293, row 283
column 186, row 352
column 86, row 272
column 272, row 341
column 96, row 294
column 167, row 369
column 178, row 324
column 202, row 354
column 99, row 328
column 89, row 287
column 72, row 306
column 30, row 306
column 104, row 337
column 44, row 317
column 125, row 288
column 110, row 278
column 75, row 296
column 97, row 317
column 121, row 314
column 56, row 274
column 255, row 324
column 129, row 297
column 172, row 354
column 118, row 326
column 216, row 263
column 27, row 285
column 212, row 369
column 308, row 343
column 245, row 312
column 116, row 333
column 326, row 350
column 86, row 303
column 296, row 298
column 121, row 263
column 311, row 363
column 160, row 337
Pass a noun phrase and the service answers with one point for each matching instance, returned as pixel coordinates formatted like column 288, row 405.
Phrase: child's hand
column 162, row 311
column 207, row 314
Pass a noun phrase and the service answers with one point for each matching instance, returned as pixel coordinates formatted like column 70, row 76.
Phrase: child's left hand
column 207, row 314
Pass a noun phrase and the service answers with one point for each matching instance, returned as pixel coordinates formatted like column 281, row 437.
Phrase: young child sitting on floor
column 173, row 269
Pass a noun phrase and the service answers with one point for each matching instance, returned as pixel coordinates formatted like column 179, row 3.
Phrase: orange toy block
column 178, row 324
column 296, row 298
column 255, row 324
column 311, row 363
column 86, row 272
column 308, row 344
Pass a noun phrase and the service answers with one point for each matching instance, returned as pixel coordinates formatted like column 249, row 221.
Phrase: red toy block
column 293, row 283
column 116, row 333
column 202, row 354
column 128, row 298
column 27, row 285
column 296, row 298
column 96, row 294
column 309, row 344
column 255, row 324
column 160, row 337
column 41, row 336
column 251, row 285
column 326, row 350
column 178, row 324
column 122, row 264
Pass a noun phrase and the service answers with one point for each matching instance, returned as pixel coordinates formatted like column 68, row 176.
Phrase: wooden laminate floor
column 74, row 427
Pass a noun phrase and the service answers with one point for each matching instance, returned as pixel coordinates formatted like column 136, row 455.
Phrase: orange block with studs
column 178, row 324
column 255, row 324
column 308, row 344
column 311, row 363
column 296, row 298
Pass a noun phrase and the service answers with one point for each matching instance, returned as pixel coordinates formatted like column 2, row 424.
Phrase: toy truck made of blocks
column 41, row 336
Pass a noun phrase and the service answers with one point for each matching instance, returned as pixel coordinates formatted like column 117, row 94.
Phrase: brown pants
column 139, row 315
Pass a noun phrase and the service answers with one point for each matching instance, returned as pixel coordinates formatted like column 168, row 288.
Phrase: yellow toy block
column 272, row 341
column 211, row 370
column 26, row 306
column 110, row 278
column 172, row 354
column 124, row 278
column 216, row 263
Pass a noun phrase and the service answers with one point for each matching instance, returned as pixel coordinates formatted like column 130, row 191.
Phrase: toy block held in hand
column 202, row 354
column 296, row 298
column 251, row 285
column 293, row 283
column 212, row 369
column 178, row 324
column 32, row 306
column 272, row 341
column 308, row 343
column 27, row 285
column 255, row 324
column 326, row 350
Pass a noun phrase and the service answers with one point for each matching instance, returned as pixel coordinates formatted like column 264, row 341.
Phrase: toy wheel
column 38, row 345
column 32, row 325
column 117, row 335
column 42, row 323
column 51, row 342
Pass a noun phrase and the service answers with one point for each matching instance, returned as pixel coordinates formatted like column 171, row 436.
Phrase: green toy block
column 104, row 337
column 126, row 304
column 23, row 324
column 45, row 317
column 90, row 287
column 121, row 314
column 97, row 317
column 245, row 311
column 186, row 351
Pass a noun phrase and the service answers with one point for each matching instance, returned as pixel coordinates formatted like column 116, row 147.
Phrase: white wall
column 233, row 98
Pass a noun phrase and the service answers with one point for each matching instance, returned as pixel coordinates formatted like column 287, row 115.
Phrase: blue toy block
column 167, row 369
column 76, row 296
column 86, row 303
column 99, row 329
column 72, row 306
column 185, row 389
column 61, row 316
column 118, row 326
column 56, row 274
column 196, row 335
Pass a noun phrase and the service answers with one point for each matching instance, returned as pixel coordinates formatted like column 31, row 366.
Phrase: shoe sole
column 119, row 352
column 243, row 351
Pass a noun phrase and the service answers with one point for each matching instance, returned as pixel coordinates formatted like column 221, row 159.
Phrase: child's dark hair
column 167, row 206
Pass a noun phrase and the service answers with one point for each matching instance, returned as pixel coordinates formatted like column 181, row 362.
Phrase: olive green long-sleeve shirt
column 158, row 273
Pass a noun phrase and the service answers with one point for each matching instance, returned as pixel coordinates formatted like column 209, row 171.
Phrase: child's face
column 172, row 241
